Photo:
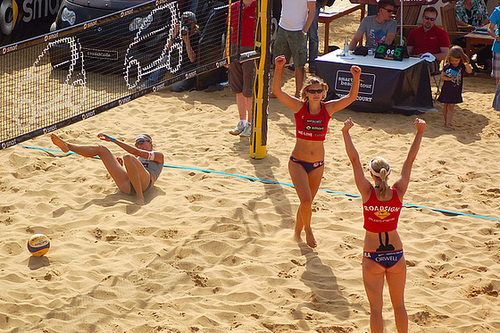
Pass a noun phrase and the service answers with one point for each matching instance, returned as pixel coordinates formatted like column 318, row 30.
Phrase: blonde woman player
column 383, row 250
column 136, row 172
column 312, row 115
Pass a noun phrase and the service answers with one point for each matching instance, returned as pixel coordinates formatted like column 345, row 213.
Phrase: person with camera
column 190, row 35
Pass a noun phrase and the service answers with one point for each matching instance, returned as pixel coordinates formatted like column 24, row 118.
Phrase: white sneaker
column 239, row 128
column 248, row 130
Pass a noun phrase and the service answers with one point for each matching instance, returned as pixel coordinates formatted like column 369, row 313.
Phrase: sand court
column 214, row 251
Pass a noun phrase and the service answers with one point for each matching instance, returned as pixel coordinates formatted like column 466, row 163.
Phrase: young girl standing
column 456, row 63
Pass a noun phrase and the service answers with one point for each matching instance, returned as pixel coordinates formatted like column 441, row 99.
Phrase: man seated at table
column 429, row 38
column 380, row 28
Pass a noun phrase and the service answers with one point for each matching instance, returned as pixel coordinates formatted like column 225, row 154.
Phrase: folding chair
column 437, row 82
column 435, row 73
column 410, row 18
column 449, row 22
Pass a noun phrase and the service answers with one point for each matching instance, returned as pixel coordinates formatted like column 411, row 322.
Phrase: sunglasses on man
column 432, row 19
column 390, row 11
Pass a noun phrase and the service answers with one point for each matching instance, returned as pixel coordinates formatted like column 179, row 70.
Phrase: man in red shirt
column 241, row 75
column 429, row 38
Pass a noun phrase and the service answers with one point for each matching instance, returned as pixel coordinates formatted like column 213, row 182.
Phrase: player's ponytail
column 379, row 167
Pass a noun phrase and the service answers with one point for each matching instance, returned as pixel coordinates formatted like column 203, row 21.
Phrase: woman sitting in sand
column 135, row 172
column 383, row 250
column 312, row 115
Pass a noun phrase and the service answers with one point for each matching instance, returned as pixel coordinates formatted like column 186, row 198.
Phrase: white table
column 387, row 85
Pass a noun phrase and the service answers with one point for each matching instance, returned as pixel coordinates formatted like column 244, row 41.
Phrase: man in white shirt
column 291, row 37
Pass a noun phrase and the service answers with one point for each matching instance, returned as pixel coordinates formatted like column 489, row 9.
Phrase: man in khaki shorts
column 291, row 37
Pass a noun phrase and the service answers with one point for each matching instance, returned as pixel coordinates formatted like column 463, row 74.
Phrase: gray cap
column 189, row 16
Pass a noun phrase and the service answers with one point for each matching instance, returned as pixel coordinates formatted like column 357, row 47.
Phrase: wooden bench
column 334, row 12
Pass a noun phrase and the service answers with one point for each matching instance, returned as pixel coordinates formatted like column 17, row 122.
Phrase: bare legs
column 448, row 114
column 306, row 185
column 299, row 81
column 134, row 173
column 299, row 74
column 244, row 107
column 138, row 176
column 373, row 279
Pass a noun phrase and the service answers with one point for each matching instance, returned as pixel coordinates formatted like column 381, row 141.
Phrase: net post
column 261, row 84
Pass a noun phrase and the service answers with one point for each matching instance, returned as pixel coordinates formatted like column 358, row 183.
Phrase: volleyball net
column 84, row 69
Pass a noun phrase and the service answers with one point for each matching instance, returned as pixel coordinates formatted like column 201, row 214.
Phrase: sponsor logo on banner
column 100, row 54
column 34, row 9
column 51, row 37
column 124, row 100
column 126, row 12
column 140, row 23
column 88, row 114
column 17, row 17
column 49, row 129
column 90, row 25
column 9, row 143
column 69, row 16
column 343, row 82
column 9, row 49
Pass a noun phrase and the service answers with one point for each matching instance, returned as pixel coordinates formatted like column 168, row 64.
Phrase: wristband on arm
column 109, row 137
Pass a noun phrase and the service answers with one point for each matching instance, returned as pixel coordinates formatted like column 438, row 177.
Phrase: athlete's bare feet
column 59, row 142
column 310, row 240
column 297, row 237
column 298, row 231
column 140, row 201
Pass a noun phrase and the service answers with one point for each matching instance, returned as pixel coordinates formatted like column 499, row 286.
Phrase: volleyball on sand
column 38, row 244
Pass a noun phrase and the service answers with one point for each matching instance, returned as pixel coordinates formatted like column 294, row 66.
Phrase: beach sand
column 212, row 250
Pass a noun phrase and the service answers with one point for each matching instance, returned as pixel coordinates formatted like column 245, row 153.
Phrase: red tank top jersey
column 382, row 216
column 311, row 127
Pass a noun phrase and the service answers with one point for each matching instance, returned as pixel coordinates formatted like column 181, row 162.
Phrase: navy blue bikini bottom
column 384, row 259
column 307, row 165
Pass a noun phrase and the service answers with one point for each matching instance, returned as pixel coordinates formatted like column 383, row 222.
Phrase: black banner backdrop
column 24, row 19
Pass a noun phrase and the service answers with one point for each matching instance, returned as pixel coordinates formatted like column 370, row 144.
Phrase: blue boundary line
column 286, row 184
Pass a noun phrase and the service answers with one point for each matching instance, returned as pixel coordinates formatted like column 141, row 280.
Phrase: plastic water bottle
column 346, row 46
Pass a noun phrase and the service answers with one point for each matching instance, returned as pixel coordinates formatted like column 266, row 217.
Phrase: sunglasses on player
column 140, row 142
column 315, row 91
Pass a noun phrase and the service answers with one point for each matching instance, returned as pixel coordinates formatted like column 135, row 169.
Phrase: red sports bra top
column 312, row 126
column 382, row 216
